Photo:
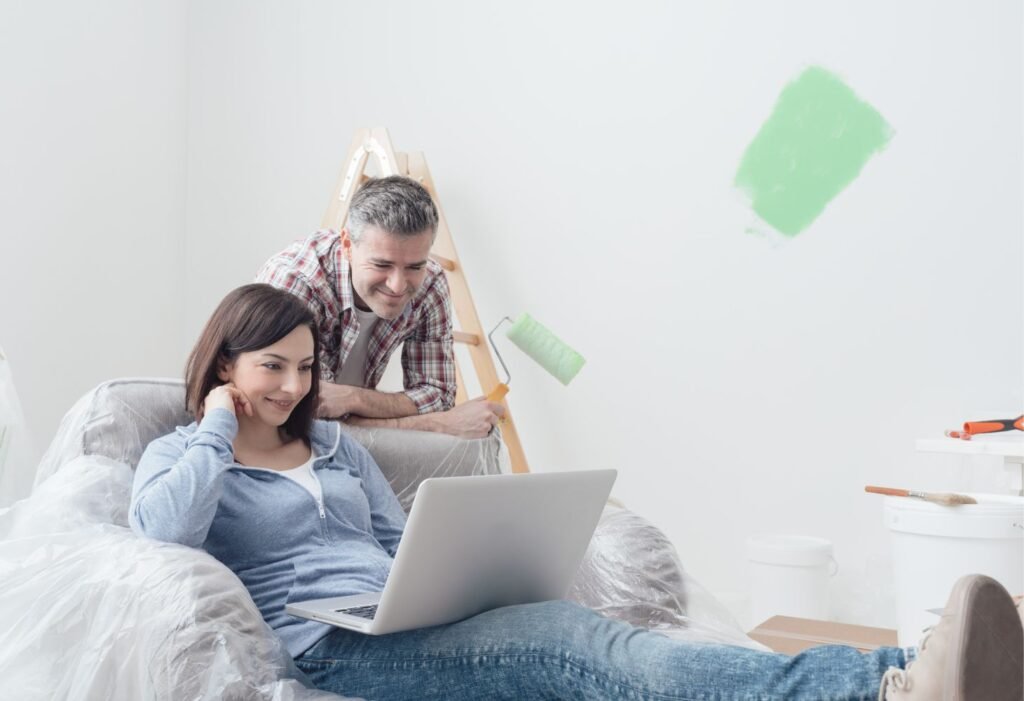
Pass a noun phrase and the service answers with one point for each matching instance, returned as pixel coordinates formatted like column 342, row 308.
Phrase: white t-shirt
column 353, row 370
column 303, row 474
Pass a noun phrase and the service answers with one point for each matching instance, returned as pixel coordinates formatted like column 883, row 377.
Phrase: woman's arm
column 176, row 491
column 386, row 515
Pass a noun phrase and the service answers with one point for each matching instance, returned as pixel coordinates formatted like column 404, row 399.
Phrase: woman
column 299, row 511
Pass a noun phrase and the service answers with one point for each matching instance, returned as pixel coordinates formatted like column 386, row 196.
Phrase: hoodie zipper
column 320, row 497
column 318, row 500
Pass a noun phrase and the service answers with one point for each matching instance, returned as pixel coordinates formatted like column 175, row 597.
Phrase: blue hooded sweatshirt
column 269, row 530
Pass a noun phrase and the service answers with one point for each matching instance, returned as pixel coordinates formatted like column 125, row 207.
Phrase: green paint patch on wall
column 816, row 141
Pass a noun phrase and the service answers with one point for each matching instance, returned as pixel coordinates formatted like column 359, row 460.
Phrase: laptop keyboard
column 361, row 611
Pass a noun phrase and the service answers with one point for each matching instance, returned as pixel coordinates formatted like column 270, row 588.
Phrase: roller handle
column 498, row 393
column 994, row 426
column 888, row 491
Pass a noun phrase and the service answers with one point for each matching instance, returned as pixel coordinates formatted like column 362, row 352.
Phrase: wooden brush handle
column 888, row 490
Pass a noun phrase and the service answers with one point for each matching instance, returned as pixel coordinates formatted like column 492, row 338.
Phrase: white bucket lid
column 792, row 550
column 994, row 516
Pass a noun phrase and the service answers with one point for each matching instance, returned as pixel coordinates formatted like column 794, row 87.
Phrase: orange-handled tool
column 537, row 341
column 498, row 393
column 994, row 426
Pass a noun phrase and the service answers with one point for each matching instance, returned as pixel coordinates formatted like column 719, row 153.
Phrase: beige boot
column 974, row 653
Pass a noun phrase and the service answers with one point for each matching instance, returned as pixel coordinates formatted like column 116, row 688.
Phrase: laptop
column 472, row 544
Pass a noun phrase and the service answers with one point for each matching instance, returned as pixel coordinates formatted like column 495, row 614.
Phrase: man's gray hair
column 395, row 204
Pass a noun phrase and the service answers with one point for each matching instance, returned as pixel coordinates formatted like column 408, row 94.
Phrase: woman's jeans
column 559, row 650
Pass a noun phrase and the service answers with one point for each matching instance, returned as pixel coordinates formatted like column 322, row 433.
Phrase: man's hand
column 335, row 400
column 472, row 419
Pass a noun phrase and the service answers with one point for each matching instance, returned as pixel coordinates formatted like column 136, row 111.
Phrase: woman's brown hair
column 251, row 317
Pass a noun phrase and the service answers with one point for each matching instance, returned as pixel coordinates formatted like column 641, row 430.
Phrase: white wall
column 92, row 196
column 584, row 156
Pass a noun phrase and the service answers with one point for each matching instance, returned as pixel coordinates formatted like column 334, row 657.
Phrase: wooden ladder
column 375, row 142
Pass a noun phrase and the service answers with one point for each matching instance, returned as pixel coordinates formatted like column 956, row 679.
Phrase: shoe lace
column 896, row 679
column 924, row 640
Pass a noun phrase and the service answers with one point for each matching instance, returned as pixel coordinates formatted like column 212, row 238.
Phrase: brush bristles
column 951, row 499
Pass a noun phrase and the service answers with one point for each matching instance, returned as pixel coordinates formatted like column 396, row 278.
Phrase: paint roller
column 534, row 339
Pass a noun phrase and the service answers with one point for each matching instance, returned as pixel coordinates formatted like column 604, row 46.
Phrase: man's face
column 386, row 269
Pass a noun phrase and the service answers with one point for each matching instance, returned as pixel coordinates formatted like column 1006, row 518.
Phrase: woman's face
column 275, row 378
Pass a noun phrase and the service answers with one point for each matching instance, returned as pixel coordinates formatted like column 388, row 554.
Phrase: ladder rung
column 446, row 263
column 470, row 339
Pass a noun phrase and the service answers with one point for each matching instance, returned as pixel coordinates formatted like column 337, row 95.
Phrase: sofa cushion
column 408, row 457
column 119, row 418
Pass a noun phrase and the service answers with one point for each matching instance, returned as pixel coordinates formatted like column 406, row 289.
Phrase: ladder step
column 446, row 263
column 470, row 339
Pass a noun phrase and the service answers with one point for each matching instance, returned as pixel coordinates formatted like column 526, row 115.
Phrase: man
column 372, row 287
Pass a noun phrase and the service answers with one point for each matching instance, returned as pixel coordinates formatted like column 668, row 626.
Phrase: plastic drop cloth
column 408, row 457
column 91, row 611
column 632, row 573
column 119, row 418
column 15, row 445
column 116, row 419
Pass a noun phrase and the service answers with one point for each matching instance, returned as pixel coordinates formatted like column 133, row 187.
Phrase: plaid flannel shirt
column 315, row 270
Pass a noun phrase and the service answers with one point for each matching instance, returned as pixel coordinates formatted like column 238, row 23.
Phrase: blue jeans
column 559, row 650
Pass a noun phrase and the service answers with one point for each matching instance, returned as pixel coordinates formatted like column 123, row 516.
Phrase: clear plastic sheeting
column 93, row 612
column 15, row 446
column 117, row 419
column 408, row 457
column 632, row 573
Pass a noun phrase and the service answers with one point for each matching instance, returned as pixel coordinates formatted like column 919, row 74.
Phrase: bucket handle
column 835, row 567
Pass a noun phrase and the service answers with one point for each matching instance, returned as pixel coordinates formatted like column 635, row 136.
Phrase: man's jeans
column 559, row 650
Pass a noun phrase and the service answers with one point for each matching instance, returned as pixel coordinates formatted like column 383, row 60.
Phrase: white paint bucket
column 789, row 576
column 934, row 545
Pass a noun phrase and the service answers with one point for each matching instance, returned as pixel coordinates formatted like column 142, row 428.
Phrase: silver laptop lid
column 477, row 543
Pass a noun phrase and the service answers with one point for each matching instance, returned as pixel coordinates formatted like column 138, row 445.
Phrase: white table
column 1009, row 444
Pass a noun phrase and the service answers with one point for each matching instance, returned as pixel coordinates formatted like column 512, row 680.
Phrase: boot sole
column 987, row 656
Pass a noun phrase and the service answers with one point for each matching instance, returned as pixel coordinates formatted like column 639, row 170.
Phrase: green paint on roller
column 813, row 145
column 534, row 339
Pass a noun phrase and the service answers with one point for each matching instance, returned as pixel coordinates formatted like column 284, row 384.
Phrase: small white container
column 789, row 576
column 934, row 545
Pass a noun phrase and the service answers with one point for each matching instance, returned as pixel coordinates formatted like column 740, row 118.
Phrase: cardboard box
column 790, row 635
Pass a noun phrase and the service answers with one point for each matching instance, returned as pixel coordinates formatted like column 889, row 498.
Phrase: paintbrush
column 944, row 498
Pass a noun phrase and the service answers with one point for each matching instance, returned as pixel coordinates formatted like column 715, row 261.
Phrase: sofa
column 92, row 611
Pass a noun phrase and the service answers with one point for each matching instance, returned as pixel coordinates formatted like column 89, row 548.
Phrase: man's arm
column 340, row 400
column 368, row 407
column 472, row 419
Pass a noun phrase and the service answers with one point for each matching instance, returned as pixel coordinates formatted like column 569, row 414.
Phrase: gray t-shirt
column 353, row 369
